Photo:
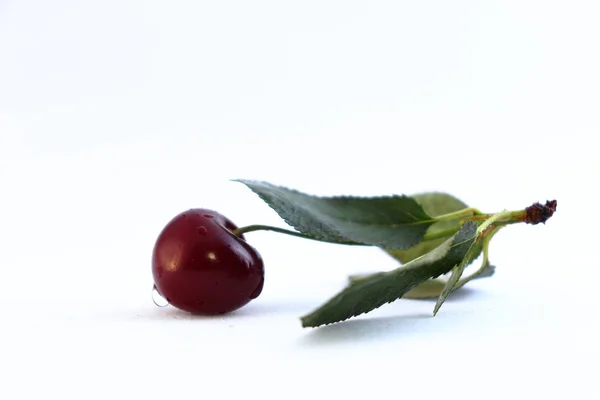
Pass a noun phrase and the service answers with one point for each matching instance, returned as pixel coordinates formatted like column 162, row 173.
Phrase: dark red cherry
column 200, row 266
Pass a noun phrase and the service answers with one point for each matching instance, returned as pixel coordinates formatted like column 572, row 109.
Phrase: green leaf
column 427, row 292
column 392, row 222
column 367, row 294
column 449, row 286
column 433, row 288
column 454, row 278
column 482, row 244
column 439, row 203
column 434, row 204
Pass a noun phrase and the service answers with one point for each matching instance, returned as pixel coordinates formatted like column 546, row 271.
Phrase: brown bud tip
column 537, row 213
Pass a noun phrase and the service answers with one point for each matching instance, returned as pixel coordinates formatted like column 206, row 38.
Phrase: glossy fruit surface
column 200, row 266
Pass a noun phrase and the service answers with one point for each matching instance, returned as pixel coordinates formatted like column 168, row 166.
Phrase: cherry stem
column 499, row 219
column 466, row 212
column 253, row 228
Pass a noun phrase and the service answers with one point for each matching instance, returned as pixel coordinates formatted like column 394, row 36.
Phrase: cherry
column 200, row 266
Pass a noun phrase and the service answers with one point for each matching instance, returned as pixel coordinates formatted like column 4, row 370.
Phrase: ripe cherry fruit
column 200, row 266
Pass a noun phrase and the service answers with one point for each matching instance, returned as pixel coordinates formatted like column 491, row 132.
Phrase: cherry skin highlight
column 200, row 266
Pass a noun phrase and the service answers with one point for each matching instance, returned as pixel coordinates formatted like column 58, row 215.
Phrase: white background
column 117, row 115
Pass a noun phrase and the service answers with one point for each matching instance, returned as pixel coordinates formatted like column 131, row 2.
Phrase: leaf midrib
column 395, row 225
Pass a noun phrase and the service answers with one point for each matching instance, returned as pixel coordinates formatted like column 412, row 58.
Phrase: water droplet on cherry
column 202, row 230
column 158, row 299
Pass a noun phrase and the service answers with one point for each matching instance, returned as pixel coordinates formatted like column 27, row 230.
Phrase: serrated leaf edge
column 356, row 282
column 342, row 239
